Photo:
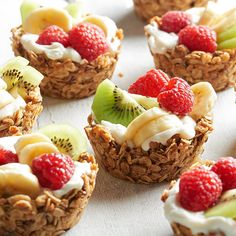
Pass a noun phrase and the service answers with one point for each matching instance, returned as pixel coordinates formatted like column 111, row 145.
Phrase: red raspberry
column 88, row 40
column 150, row 84
column 225, row 168
column 177, row 97
column 53, row 170
column 7, row 156
column 174, row 21
column 198, row 38
column 53, row 34
column 199, row 189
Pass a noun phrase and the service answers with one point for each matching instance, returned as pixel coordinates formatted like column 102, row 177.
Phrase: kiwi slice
column 69, row 140
column 114, row 105
column 11, row 72
column 27, row 7
column 226, row 209
column 75, row 8
column 145, row 102
column 29, row 80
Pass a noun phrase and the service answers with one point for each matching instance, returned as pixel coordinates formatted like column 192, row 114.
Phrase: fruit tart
column 147, row 9
column 20, row 98
column 203, row 201
column 46, row 179
column 197, row 44
column 154, row 131
column 73, row 54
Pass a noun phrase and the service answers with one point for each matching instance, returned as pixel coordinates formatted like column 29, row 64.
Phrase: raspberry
column 177, row 97
column 53, row 170
column 7, row 156
column 225, row 168
column 88, row 40
column 199, row 189
column 198, row 38
column 53, row 34
column 174, row 21
column 150, row 84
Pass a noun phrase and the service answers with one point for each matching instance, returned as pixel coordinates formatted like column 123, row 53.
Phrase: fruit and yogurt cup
column 147, row 9
column 73, row 53
column 154, row 131
column 46, row 179
column 20, row 98
column 203, row 201
column 197, row 45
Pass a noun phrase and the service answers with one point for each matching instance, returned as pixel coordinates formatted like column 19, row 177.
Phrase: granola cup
column 218, row 68
column 23, row 120
column 65, row 78
column 46, row 215
column 147, row 9
column 159, row 163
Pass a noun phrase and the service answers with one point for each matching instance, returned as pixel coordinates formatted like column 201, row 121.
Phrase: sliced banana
column 204, row 99
column 5, row 98
column 140, row 121
column 16, row 178
column 31, row 151
column 156, row 126
column 30, row 139
column 3, row 84
column 43, row 17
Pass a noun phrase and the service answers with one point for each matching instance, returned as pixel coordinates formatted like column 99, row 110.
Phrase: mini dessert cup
column 147, row 9
column 159, row 163
column 69, row 76
column 43, row 211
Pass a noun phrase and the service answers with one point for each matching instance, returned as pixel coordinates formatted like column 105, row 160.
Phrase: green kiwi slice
column 27, row 7
column 145, row 102
column 69, row 140
column 11, row 72
column 75, row 9
column 114, row 105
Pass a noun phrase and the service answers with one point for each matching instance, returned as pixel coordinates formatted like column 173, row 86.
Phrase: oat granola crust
column 23, row 120
column 156, row 165
column 65, row 78
column 217, row 68
column 46, row 215
column 147, row 9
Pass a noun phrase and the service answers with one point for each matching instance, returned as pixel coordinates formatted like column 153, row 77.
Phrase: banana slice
column 43, row 17
column 140, row 121
column 5, row 98
column 16, row 178
column 204, row 99
column 156, row 126
column 3, row 84
column 30, row 139
column 29, row 152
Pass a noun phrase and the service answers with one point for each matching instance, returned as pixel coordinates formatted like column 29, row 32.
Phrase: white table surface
column 117, row 207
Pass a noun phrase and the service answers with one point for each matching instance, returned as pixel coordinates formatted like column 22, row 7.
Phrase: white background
column 118, row 207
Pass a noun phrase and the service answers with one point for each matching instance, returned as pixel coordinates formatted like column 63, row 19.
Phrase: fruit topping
column 75, row 8
column 53, row 170
column 199, row 189
column 88, row 40
column 174, row 21
column 114, row 105
column 177, row 97
column 198, row 38
column 69, row 140
column 52, row 34
column 7, row 156
column 150, row 84
column 27, row 7
column 225, row 168
column 227, row 34
column 5, row 98
column 145, row 102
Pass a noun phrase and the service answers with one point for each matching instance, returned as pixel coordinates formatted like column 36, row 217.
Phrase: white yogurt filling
column 196, row 221
column 57, row 51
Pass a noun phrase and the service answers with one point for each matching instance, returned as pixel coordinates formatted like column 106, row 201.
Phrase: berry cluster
column 174, row 94
column 200, row 188
column 87, row 39
column 194, row 37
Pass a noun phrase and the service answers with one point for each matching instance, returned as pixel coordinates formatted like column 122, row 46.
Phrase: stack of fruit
column 20, row 99
column 159, row 116
column 51, row 165
column 205, row 198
